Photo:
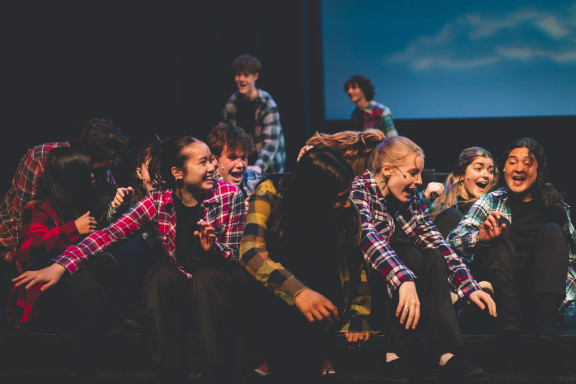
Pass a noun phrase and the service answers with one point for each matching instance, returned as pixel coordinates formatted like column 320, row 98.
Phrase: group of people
column 213, row 234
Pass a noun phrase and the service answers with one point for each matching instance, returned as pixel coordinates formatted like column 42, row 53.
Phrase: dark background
column 164, row 68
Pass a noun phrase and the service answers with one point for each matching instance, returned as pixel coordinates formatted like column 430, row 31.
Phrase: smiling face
column 520, row 173
column 198, row 170
column 232, row 165
column 402, row 179
column 478, row 178
column 355, row 94
column 246, row 83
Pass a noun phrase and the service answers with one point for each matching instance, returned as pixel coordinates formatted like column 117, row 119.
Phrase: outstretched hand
column 483, row 300
column 49, row 276
column 315, row 306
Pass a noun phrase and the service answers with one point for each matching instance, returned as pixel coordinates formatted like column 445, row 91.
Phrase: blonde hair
column 394, row 150
column 356, row 147
column 454, row 180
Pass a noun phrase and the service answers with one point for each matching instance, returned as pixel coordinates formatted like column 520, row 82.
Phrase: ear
column 177, row 173
column 256, row 76
column 139, row 173
column 386, row 170
column 215, row 160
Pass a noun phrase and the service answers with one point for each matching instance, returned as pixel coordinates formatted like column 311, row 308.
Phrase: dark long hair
column 67, row 183
column 170, row 153
column 542, row 191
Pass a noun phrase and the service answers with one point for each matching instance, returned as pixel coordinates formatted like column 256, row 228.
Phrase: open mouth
column 482, row 184
column 237, row 175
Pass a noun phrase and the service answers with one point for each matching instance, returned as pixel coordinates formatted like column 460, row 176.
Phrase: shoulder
column 223, row 188
column 265, row 98
column 40, row 151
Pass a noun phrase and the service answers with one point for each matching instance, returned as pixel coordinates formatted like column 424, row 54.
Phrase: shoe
column 397, row 371
column 509, row 323
column 548, row 325
column 458, row 368
column 263, row 369
column 327, row 368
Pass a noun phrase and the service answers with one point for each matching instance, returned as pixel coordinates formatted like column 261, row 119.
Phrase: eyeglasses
column 400, row 171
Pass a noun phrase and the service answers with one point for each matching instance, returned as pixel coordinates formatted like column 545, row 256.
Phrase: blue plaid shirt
column 464, row 238
column 375, row 116
column 378, row 226
column 268, row 135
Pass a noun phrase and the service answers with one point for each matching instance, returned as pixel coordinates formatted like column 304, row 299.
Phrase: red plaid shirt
column 24, row 187
column 224, row 209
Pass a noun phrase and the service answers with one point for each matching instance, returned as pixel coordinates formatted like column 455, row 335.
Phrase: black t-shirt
column 358, row 120
column 189, row 253
column 246, row 119
column 527, row 218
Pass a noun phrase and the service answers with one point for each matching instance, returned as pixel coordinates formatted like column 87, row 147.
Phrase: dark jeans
column 175, row 301
column 519, row 277
column 436, row 308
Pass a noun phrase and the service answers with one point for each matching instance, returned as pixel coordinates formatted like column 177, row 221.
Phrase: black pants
column 518, row 277
column 176, row 300
column 436, row 307
column 447, row 220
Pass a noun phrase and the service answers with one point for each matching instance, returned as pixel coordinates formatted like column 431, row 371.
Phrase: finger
column 352, row 337
column 416, row 317
column 405, row 312
column 47, row 285
column 399, row 308
column 410, row 318
column 32, row 283
column 478, row 302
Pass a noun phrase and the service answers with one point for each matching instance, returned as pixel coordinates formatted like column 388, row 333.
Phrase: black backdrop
column 164, row 68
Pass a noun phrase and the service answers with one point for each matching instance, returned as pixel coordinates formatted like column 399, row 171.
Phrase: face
column 355, row 93
column 142, row 172
column 520, row 173
column 404, row 178
column 232, row 165
column 246, row 83
column 478, row 177
column 198, row 169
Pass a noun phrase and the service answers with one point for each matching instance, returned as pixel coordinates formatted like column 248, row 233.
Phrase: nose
column 418, row 180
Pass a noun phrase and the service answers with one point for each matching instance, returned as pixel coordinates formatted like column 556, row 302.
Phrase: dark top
column 188, row 250
column 527, row 218
column 245, row 112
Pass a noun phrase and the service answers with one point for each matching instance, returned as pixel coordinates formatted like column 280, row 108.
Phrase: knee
column 165, row 279
column 433, row 260
column 551, row 231
column 207, row 278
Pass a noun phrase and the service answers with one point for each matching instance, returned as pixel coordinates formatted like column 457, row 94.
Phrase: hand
column 85, row 224
column 315, row 306
column 49, row 276
column 356, row 339
column 433, row 190
column 490, row 229
column 123, row 196
column 247, row 203
column 205, row 235
column 483, row 300
column 254, row 168
column 408, row 305
column 303, row 150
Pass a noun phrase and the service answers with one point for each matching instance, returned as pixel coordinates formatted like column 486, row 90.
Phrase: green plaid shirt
column 464, row 238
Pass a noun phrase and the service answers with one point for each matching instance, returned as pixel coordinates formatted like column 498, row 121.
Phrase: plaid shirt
column 43, row 237
column 464, row 238
column 25, row 185
column 249, row 181
column 375, row 116
column 378, row 226
column 268, row 135
column 224, row 210
column 262, row 235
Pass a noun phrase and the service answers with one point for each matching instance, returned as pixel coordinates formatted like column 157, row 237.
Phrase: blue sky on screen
column 453, row 58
